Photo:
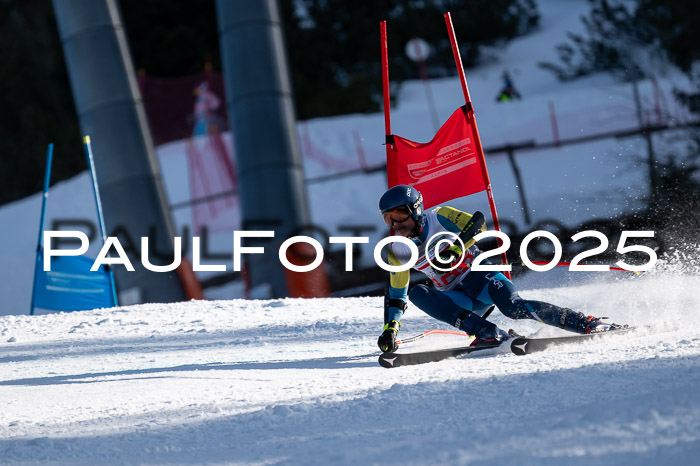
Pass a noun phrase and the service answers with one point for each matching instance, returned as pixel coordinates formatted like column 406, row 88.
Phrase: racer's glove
column 447, row 259
column 387, row 340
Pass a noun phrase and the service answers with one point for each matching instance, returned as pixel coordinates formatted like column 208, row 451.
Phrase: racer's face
column 400, row 220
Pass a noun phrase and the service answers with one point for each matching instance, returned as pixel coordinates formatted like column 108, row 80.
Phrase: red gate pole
column 390, row 177
column 475, row 131
column 385, row 78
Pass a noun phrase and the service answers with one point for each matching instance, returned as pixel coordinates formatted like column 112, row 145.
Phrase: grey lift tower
column 261, row 112
column 110, row 110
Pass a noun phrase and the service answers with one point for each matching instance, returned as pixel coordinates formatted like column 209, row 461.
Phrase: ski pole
column 567, row 264
column 430, row 332
column 561, row 264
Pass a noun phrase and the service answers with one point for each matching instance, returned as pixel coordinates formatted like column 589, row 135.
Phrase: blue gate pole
column 40, row 242
column 91, row 166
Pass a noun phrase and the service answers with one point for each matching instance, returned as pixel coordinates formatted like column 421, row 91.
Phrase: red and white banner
column 445, row 168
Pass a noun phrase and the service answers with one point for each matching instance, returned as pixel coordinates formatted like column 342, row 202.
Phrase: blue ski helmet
column 403, row 196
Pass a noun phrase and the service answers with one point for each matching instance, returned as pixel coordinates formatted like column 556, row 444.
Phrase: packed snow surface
column 297, row 381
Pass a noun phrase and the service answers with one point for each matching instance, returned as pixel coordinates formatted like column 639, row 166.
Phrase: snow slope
column 296, row 382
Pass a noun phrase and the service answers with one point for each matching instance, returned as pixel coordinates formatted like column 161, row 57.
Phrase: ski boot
column 490, row 337
column 595, row 325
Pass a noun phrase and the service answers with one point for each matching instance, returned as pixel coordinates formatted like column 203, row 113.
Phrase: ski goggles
column 396, row 216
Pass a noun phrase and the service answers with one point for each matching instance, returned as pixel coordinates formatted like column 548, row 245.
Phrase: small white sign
column 417, row 49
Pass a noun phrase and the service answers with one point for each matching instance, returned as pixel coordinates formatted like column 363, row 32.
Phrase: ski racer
column 460, row 296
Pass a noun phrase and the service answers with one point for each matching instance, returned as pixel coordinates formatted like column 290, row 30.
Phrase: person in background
column 509, row 92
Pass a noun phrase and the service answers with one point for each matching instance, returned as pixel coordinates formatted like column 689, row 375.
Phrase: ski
column 519, row 346
column 390, row 360
column 523, row 345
